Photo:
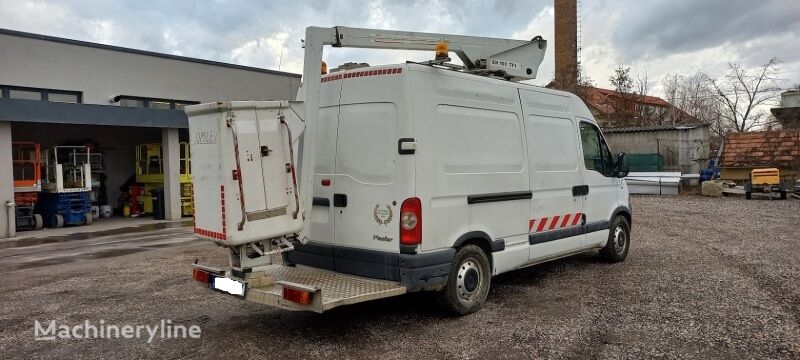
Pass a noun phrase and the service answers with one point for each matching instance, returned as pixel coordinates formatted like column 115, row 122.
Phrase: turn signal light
column 201, row 276
column 298, row 296
column 441, row 50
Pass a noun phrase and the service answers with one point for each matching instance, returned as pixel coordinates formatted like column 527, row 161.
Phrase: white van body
column 509, row 174
column 493, row 162
column 426, row 176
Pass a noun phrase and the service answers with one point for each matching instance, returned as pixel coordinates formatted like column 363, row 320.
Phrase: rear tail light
column 411, row 222
column 201, row 276
column 298, row 296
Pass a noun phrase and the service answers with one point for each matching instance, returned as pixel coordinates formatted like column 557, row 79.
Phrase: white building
column 56, row 91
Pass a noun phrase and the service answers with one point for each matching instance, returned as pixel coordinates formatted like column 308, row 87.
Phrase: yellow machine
column 767, row 181
column 150, row 173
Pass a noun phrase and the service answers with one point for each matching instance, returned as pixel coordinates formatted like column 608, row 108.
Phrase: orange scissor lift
column 27, row 184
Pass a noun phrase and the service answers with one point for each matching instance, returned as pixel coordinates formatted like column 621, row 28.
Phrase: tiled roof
column 779, row 148
column 604, row 99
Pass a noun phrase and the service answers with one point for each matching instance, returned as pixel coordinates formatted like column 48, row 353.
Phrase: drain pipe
column 11, row 211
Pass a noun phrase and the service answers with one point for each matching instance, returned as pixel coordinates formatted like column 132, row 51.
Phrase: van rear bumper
column 422, row 271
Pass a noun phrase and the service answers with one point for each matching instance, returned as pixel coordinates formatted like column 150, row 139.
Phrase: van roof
column 410, row 66
column 444, row 71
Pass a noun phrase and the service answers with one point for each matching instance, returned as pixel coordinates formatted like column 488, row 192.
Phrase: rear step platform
column 329, row 289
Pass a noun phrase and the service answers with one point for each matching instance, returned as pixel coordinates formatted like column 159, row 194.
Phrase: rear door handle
column 406, row 146
column 580, row 190
column 339, row 200
column 320, row 201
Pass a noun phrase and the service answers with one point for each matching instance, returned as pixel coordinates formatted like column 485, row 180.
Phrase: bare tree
column 692, row 99
column 741, row 93
column 645, row 114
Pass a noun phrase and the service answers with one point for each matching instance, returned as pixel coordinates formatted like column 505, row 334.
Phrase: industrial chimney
column 566, row 38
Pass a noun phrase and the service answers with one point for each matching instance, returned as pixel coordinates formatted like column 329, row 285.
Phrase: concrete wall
column 684, row 150
column 101, row 74
column 790, row 99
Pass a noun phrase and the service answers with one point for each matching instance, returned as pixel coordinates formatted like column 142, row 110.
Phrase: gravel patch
column 705, row 278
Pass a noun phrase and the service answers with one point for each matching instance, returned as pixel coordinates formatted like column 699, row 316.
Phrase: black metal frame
column 147, row 100
column 5, row 91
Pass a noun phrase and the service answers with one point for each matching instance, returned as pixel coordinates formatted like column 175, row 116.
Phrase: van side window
column 596, row 155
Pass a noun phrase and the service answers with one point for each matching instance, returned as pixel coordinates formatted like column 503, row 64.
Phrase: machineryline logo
column 165, row 329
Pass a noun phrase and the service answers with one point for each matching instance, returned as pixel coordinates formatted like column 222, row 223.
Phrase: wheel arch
column 483, row 241
column 625, row 212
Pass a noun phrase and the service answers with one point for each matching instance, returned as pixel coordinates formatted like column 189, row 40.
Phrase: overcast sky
column 659, row 37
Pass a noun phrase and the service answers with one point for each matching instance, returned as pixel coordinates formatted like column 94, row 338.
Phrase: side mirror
column 622, row 165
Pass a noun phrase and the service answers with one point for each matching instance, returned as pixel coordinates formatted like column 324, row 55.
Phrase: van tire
column 619, row 241
column 469, row 269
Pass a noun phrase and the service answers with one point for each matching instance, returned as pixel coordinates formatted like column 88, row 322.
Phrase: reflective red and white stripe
column 215, row 234
column 222, row 209
column 554, row 222
column 363, row 73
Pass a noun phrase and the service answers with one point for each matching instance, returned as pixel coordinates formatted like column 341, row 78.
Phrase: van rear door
column 556, row 208
column 322, row 209
column 371, row 178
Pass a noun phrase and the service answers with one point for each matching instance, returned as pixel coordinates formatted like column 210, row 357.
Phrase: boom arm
column 518, row 59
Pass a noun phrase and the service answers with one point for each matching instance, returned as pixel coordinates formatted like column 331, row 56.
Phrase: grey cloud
column 669, row 27
column 213, row 29
column 218, row 29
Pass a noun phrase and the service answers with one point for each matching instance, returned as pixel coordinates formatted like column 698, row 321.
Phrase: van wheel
column 468, row 283
column 619, row 240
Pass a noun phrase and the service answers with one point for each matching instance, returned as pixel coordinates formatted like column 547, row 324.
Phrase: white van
column 439, row 180
column 425, row 178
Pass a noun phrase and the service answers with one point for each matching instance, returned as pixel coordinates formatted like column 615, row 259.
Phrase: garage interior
column 107, row 131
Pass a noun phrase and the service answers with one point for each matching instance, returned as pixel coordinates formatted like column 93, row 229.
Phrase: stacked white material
column 655, row 183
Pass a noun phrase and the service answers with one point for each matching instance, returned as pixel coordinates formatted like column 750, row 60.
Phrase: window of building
column 63, row 97
column 153, row 103
column 131, row 103
column 25, row 94
column 180, row 105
